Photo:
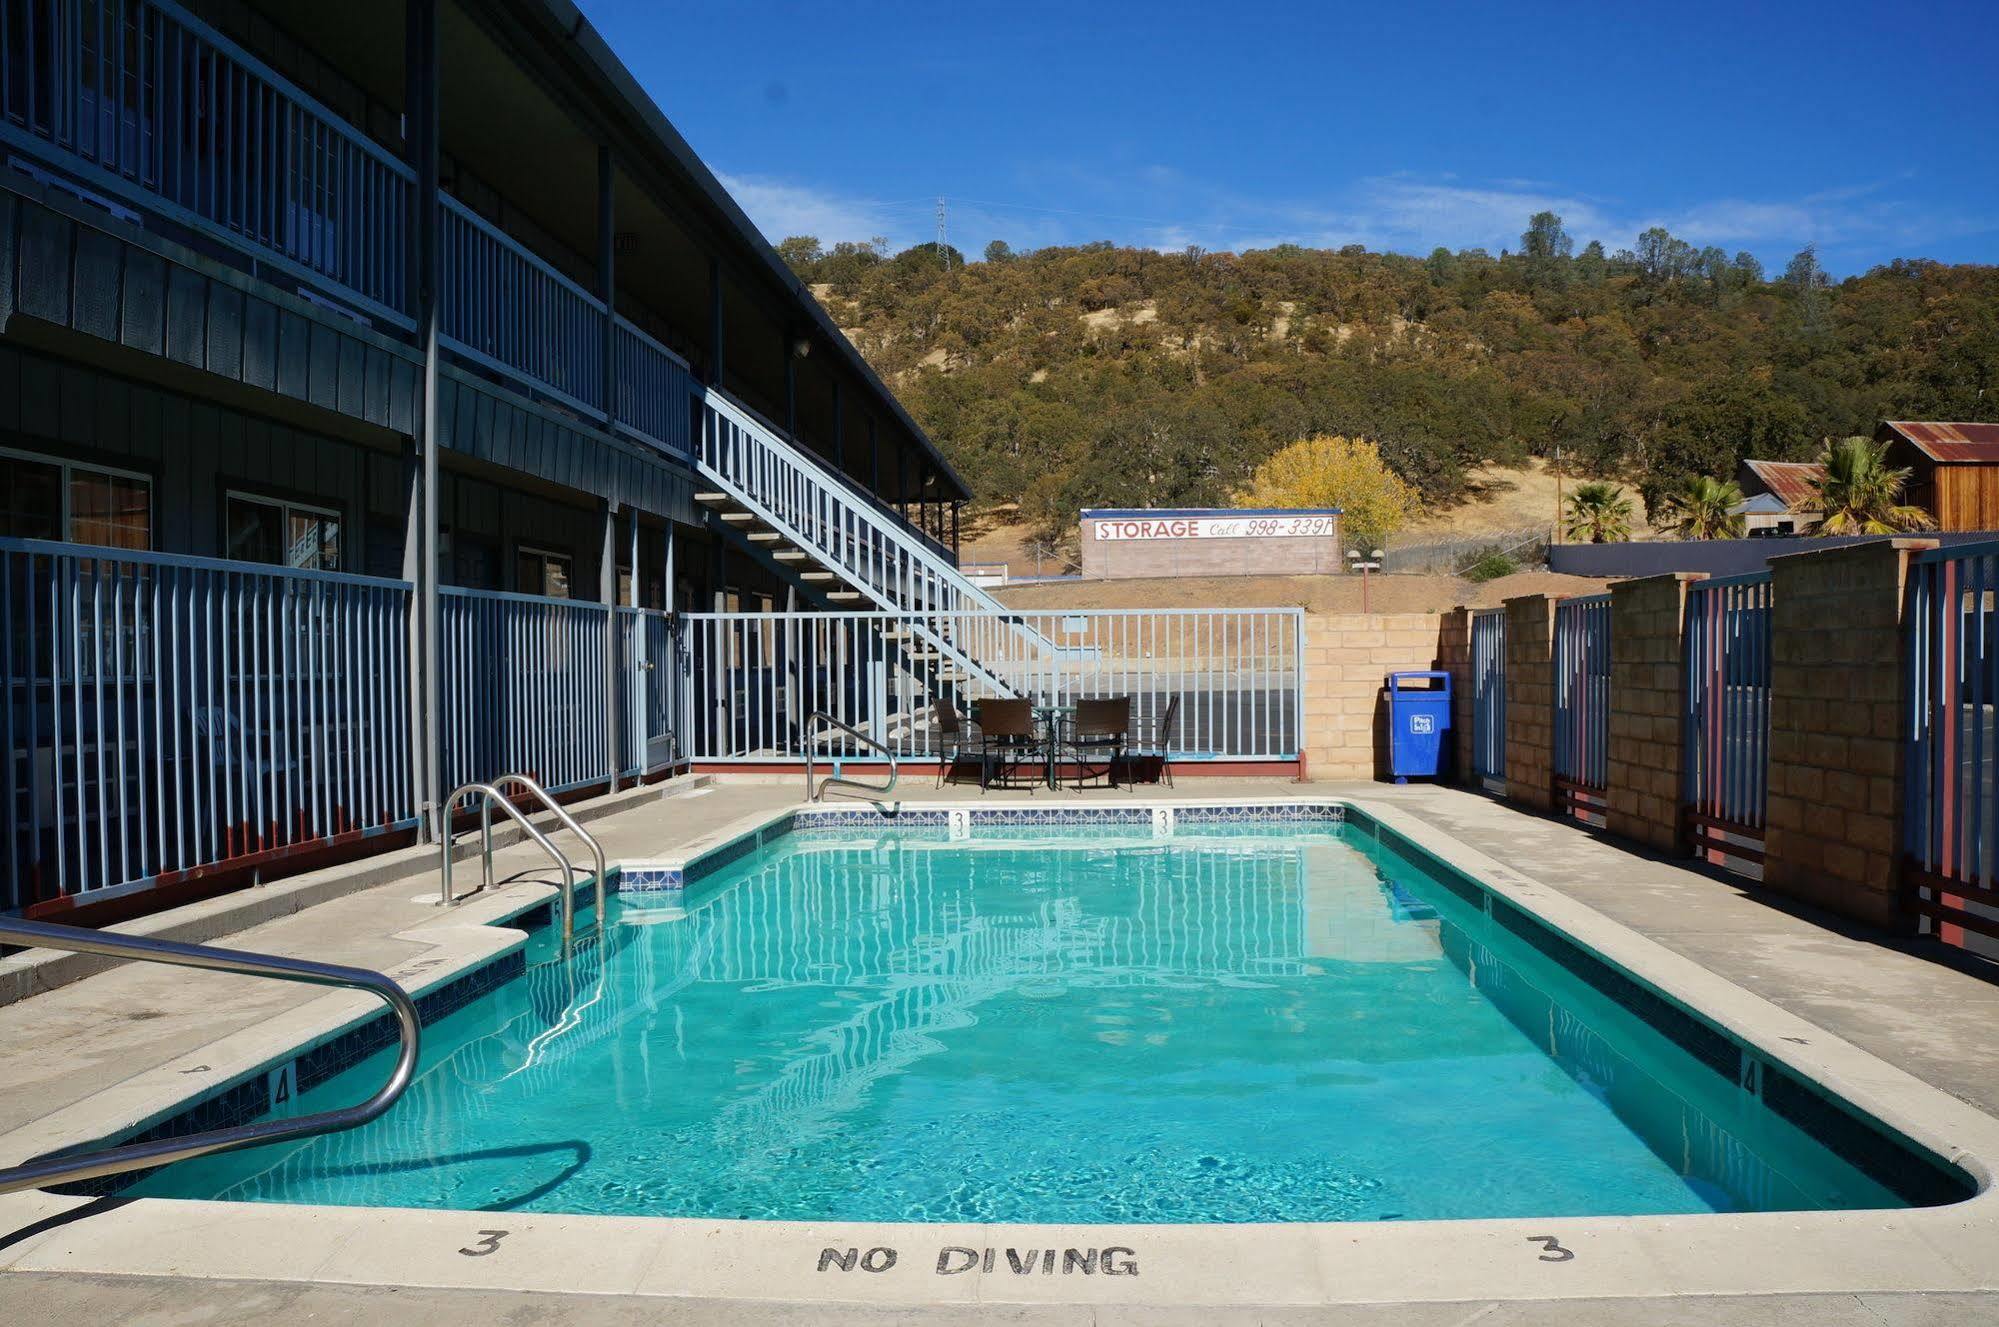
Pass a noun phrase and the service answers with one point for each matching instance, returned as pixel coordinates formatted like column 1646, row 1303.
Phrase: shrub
column 1487, row 564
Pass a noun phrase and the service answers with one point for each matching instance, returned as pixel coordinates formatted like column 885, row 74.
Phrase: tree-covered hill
column 1114, row 376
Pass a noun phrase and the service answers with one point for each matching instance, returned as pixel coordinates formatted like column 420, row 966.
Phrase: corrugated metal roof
column 1789, row 481
column 1961, row 444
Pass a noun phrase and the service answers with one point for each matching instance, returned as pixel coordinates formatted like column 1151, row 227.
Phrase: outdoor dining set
column 1007, row 739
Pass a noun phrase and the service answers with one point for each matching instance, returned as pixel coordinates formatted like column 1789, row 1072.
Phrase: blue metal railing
column 165, row 714
column 754, row 680
column 505, row 307
column 1951, row 810
column 143, row 102
column 1727, row 741
column 651, row 676
column 1582, row 702
column 140, row 102
column 1488, row 675
column 656, row 392
column 525, row 683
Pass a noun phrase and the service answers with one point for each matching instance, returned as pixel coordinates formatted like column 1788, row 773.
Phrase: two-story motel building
column 416, row 369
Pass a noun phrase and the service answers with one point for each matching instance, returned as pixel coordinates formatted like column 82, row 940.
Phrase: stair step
column 844, row 596
column 765, row 537
column 792, row 555
column 739, row 517
column 714, row 499
column 817, row 577
column 923, row 656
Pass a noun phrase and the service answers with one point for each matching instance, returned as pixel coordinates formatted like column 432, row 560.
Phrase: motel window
column 467, row 560
column 538, row 571
column 652, row 588
column 285, row 534
column 43, row 498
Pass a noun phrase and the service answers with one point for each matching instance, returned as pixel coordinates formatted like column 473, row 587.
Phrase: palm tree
column 1597, row 513
column 1860, row 493
column 1699, row 509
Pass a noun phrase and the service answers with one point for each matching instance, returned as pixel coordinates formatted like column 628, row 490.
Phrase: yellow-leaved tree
column 1347, row 473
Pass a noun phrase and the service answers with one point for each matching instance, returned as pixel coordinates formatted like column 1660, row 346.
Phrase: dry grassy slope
column 1507, row 499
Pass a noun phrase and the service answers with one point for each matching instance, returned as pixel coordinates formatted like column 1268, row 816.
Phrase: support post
column 1645, row 776
column 839, row 429
column 1838, row 728
column 420, row 75
column 1530, row 700
column 716, row 363
column 790, row 394
column 669, row 598
column 607, row 279
column 639, row 663
column 607, row 595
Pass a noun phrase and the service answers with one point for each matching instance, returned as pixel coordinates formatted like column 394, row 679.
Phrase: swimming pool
column 1294, row 1017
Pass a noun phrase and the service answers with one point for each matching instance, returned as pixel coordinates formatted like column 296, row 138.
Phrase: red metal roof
column 1950, row 443
column 1790, row 482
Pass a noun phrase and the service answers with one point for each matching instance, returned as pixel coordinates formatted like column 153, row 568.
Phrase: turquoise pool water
column 1239, row 1023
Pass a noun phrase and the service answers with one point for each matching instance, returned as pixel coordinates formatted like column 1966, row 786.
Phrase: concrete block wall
column 1530, row 700
column 1837, row 673
column 1348, row 657
column 1648, row 705
column 1454, row 657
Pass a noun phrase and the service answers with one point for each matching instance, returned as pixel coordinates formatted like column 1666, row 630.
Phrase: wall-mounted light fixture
column 801, row 348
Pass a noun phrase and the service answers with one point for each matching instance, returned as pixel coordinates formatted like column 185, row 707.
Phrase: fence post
column 1838, row 720
column 1648, row 705
column 1530, row 700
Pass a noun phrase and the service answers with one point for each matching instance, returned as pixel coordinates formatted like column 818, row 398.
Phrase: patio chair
column 1162, row 740
column 1009, row 739
column 1100, row 728
column 953, row 739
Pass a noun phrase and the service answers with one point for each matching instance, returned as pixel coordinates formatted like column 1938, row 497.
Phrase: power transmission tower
column 943, row 245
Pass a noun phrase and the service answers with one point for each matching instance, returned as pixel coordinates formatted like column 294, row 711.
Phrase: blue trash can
column 1419, row 714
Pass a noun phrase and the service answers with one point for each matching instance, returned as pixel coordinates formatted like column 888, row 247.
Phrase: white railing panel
column 754, row 678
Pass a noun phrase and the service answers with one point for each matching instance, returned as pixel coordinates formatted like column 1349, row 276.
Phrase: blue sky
column 1871, row 130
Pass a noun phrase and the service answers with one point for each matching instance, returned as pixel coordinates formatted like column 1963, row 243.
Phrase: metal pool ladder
column 812, row 794
column 163, row 1151
column 489, row 795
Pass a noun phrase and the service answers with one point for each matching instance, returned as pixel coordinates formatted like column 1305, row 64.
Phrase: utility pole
column 1556, row 538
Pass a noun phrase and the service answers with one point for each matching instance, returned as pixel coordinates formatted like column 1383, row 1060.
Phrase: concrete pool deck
column 67, row 1051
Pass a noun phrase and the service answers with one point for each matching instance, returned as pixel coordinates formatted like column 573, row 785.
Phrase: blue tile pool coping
column 1902, row 1165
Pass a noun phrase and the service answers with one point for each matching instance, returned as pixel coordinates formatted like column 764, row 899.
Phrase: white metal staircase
column 836, row 542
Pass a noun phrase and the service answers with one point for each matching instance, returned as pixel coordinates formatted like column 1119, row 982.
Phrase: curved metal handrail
column 489, row 797
column 812, row 794
column 163, row 1151
column 540, row 794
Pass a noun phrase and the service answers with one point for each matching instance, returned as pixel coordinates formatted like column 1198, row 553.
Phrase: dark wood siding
column 195, row 451
column 107, row 280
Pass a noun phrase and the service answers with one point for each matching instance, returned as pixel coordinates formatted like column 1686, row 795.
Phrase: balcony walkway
column 1923, row 1011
